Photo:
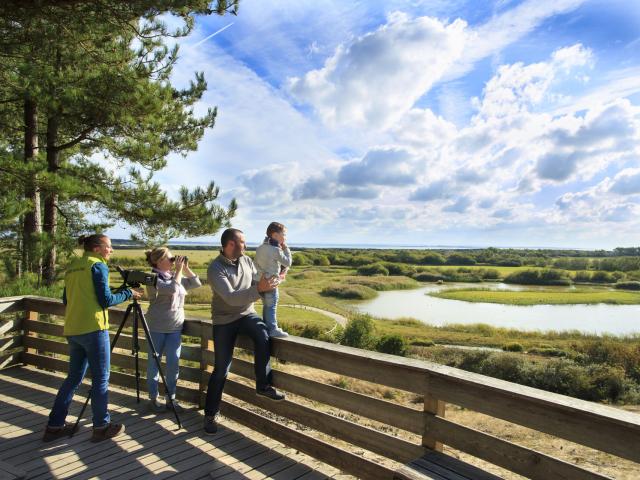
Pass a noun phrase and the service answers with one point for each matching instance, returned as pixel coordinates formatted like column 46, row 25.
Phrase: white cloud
column 376, row 78
column 626, row 182
column 507, row 28
column 517, row 87
column 391, row 166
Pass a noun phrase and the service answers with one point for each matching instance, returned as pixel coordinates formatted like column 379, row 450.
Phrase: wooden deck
column 151, row 446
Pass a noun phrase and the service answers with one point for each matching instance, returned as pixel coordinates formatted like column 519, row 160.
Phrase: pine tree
column 97, row 97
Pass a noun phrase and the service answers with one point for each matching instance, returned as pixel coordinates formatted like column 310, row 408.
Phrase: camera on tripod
column 136, row 278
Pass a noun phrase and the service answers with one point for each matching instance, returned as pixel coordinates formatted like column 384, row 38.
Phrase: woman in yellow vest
column 87, row 296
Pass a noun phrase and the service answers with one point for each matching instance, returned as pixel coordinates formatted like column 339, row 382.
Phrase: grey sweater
column 234, row 290
column 166, row 303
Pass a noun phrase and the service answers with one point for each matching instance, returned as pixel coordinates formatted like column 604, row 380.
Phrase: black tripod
column 138, row 316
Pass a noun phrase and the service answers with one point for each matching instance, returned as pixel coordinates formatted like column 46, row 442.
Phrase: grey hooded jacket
column 269, row 258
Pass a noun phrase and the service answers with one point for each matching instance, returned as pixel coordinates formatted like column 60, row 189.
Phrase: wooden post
column 432, row 407
column 28, row 315
column 206, row 346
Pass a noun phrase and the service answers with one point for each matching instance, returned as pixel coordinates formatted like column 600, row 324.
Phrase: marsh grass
column 542, row 297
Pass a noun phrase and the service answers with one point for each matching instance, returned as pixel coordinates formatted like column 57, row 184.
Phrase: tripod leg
column 136, row 351
column 113, row 344
column 124, row 320
column 157, row 360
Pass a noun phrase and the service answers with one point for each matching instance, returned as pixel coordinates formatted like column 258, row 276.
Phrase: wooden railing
column 27, row 339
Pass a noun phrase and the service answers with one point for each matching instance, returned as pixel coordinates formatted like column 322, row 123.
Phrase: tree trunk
column 32, row 225
column 51, row 201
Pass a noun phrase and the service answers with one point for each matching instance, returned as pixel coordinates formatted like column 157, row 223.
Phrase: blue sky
column 424, row 122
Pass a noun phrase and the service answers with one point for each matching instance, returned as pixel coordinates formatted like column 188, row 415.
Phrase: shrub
column 547, row 352
column 399, row 268
column 300, row 259
column 509, row 262
column 358, row 332
column 310, row 331
column 628, row 285
column 513, row 347
column 538, row 277
column 359, row 260
column 322, row 260
column 352, row 292
column 460, row 259
column 392, row 344
column 428, row 277
column 432, row 258
column 373, row 269
column 489, row 274
column 602, row 277
column 582, row 276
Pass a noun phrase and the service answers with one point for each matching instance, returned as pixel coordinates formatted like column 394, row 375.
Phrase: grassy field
column 197, row 258
column 541, row 296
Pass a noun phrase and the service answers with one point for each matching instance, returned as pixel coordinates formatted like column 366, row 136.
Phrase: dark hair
column 89, row 242
column 228, row 235
column 275, row 227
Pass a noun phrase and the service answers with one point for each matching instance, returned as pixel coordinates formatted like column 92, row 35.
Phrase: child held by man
column 273, row 259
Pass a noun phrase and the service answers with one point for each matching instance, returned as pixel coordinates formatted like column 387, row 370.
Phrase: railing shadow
column 151, row 446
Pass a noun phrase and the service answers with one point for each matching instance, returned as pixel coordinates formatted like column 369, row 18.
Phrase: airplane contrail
column 212, row 35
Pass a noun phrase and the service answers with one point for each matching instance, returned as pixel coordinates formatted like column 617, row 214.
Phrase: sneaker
column 210, row 425
column 53, row 433
column 271, row 393
column 155, row 405
column 109, row 431
column 176, row 405
column 278, row 333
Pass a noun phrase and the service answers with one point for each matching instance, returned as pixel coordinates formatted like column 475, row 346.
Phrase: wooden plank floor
column 151, row 446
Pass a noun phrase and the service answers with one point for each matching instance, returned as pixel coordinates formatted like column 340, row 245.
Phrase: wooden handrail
column 598, row 426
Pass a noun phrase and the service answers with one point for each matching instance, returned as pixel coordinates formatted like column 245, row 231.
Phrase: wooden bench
column 439, row 466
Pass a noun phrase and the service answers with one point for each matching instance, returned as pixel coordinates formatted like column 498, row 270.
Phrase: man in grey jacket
column 231, row 276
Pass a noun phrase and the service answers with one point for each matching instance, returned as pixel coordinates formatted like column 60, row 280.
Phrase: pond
column 598, row 319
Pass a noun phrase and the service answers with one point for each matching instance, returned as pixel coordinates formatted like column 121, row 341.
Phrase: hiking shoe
column 210, row 425
column 109, row 431
column 156, row 406
column 278, row 333
column 271, row 393
column 53, row 433
column 176, row 405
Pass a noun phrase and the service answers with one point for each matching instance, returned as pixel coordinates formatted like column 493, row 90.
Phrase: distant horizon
column 380, row 246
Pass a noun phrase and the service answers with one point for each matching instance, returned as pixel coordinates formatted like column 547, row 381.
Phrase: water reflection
column 599, row 319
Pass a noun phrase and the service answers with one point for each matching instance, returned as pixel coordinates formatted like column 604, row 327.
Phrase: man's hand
column 267, row 284
column 137, row 293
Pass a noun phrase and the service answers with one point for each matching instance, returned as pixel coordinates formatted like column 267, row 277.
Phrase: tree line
column 88, row 114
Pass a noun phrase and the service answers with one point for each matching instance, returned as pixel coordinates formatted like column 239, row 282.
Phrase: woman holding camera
column 166, row 319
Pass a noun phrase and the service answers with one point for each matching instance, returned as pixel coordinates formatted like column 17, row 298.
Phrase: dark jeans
column 224, row 340
column 92, row 350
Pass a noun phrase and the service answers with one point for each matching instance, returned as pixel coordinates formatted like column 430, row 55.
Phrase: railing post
column 206, row 346
column 28, row 316
column 432, row 406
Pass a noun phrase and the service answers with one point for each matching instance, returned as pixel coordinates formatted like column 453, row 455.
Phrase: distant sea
column 372, row 246
column 384, row 246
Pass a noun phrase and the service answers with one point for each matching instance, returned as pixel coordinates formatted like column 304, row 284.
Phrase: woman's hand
column 137, row 293
column 180, row 263
column 186, row 269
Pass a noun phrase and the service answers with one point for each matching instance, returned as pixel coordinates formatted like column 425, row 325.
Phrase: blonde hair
column 155, row 255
